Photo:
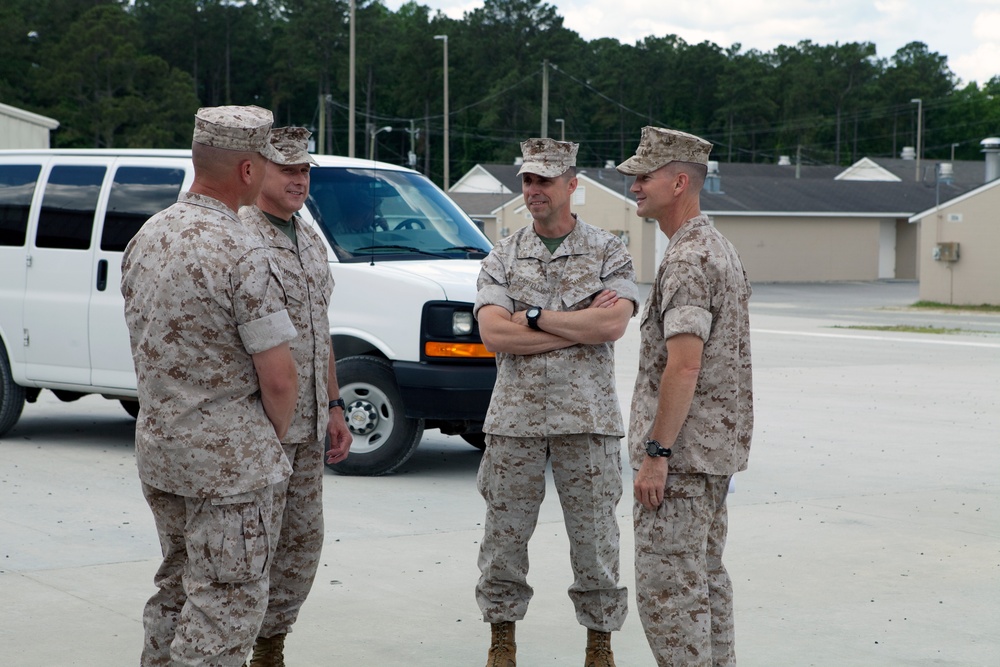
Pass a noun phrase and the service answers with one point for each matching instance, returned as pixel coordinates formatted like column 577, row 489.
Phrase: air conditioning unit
column 945, row 252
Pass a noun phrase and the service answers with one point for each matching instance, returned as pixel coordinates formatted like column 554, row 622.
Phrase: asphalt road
column 865, row 533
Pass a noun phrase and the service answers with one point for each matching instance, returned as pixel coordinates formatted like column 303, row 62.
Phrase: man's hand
column 604, row 299
column 340, row 437
column 651, row 481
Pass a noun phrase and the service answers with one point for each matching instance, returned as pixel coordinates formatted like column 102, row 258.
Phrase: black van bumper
column 445, row 391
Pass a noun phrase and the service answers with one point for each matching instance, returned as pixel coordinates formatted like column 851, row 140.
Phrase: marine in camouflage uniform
column 555, row 400
column 301, row 256
column 205, row 303
column 694, row 397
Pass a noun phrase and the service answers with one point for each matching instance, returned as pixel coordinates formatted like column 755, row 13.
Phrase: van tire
column 131, row 407
column 11, row 396
column 384, row 438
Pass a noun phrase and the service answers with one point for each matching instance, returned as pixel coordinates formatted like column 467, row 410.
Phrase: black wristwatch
column 653, row 448
column 338, row 402
column 533, row 314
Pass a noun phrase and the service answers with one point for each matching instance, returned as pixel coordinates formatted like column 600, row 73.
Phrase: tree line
column 121, row 73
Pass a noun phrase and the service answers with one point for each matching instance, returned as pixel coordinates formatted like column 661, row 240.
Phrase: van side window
column 136, row 194
column 67, row 216
column 17, row 186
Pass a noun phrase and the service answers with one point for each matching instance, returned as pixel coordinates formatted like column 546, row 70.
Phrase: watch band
column 338, row 402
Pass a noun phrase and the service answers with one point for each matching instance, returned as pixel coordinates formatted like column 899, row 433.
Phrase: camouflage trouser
column 296, row 558
column 213, row 579
column 588, row 477
column 683, row 592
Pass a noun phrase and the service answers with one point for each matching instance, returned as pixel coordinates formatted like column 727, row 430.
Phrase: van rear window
column 67, row 216
column 136, row 194
column 17, row 186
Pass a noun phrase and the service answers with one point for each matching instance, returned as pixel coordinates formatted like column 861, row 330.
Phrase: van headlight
column 449, row 332
column 461, row 322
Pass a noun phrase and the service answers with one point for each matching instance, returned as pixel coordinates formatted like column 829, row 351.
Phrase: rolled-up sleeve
column 259, row 302
column 490, row 290
column 686, row 302
column 618, row 273
column 267, row 332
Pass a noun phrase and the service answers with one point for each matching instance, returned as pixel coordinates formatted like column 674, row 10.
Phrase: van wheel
column 383, row 437
column 131, row 407
column 11, row 396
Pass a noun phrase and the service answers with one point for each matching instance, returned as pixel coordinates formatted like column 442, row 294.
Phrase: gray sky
column 966, row 31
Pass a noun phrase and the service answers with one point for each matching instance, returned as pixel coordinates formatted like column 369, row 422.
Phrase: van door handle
column 102, row 275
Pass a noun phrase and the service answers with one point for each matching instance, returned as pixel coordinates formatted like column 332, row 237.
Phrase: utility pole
column 545, row 99
column 920, row 119
column 320, row 145
column 447, row 157
column 350, row 85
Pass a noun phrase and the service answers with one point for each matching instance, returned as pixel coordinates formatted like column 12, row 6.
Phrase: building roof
column 755, row 195
column 29, row 117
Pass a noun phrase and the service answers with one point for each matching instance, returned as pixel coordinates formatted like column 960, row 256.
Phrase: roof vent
column 991, row 147
column 784, row 161
column 713, row 183
column 946, row 173
column 909, row 153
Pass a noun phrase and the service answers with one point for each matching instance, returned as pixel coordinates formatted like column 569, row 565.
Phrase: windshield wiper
column 407, row 248
column 468, row 248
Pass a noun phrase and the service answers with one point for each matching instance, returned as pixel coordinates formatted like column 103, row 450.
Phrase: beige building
column 23, row 129
column 960, row 248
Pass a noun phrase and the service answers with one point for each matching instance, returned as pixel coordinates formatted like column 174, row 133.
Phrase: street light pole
column 371, row 146
column 920, row 119
column 447, row 157
column 562, row 128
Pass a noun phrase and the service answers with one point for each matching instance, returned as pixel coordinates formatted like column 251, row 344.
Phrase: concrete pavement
column 865, row 533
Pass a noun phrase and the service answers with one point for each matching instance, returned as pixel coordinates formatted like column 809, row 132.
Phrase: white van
column 409, row 356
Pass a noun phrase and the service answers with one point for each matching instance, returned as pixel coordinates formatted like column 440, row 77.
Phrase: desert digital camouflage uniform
column 560, row 405
column 683, row 591
column 202, row 295
column 308, row 286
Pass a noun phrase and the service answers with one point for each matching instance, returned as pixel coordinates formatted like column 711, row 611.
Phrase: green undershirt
column 286, row 226
column 552, row 244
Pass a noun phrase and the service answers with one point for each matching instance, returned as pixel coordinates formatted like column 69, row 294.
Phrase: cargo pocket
column 232, row 537
column 675, row 527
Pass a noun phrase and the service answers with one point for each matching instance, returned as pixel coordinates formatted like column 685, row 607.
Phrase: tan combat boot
column 269, row 652
column 599, row 650
column 502, row 648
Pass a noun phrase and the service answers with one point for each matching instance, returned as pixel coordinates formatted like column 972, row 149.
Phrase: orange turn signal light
column 457, row 350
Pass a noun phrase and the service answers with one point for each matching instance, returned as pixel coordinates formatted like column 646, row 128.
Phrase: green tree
column 106, row 92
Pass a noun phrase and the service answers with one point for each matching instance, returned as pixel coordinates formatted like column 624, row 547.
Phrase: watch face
column 533, row 312
column 653, row 448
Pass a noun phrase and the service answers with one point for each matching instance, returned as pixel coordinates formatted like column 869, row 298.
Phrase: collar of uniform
column 274, row 236
column 697, row 221
column 530, row 245
column 205, row 201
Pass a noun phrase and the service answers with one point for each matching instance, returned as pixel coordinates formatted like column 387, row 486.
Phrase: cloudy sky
column 966, row 31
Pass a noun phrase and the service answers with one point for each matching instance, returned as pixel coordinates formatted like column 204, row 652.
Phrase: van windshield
column 390, row 215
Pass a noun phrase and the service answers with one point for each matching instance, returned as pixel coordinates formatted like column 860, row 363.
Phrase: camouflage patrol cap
column 232, row 128
column 659, row 146
column 547, row 157
column 293, row 144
